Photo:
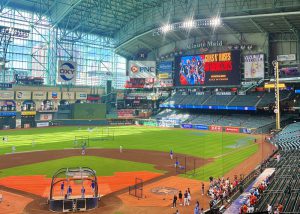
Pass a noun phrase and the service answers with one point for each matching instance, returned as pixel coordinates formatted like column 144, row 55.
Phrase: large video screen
column 217, row 69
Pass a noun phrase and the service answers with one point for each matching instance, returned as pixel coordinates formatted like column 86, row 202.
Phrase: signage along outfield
column 7, row 114
column 42, row 124
column 39, row 95
column 216, row 128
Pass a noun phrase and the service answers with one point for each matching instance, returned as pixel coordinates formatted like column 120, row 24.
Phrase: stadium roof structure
column 131, row 22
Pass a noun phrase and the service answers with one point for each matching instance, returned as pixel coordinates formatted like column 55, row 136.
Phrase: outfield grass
column 190, row 142
column 102, row 166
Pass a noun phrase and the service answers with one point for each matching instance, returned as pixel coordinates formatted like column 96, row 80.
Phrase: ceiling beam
column 63, row 12
column 260, row 28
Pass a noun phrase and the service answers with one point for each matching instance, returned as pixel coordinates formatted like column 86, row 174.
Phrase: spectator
column 174, row 201
column 269, row 208
column 202, row 188
column 186, row 200
column 180, row 198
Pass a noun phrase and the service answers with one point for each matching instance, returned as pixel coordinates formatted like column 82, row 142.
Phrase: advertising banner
column 287, row 57
column 245, row 130
column 215, row 128
column 289, row 72
column 39, row 95
column 42, row 124
column 164, row 76
column 66, row 71
column 201, row 127
column 142, row 69
column 68, row 95
column 254, row 66
column 232, row 129
column 216, row 69
column 81, row 96
column 45, row 117
column 7, row 95
column 28, row 113
column 7, row 114
column 5, row 85
column 23, row 95
column 54, row 95
column 165, row 67
column 164, row 83
column 187, row 126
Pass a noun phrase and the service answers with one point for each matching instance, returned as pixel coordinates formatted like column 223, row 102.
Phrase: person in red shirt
column 280, row 208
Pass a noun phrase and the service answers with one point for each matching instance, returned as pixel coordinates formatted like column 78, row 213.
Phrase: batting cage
column 81, row 141
column 106, row 133
column 74, row 189
column 136, row 190
column 185, row 165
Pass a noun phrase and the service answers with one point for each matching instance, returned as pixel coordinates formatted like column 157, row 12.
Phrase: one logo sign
column 19, row 94
column 67, row 71
column 134, row 69
column 54, row 95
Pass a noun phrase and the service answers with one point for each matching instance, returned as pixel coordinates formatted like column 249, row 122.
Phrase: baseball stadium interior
column 189, row 106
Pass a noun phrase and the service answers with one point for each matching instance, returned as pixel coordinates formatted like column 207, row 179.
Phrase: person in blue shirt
column 69, row 191
column 82, row 192
column 62, row 188
column 171, row 154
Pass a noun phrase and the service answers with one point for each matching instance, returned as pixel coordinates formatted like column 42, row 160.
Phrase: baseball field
column 36, row 154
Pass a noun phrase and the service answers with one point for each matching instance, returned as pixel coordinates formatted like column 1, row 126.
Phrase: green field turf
column 190, row 142
column 102, row 166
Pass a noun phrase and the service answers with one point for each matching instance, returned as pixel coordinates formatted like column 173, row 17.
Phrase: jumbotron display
column 216, row 69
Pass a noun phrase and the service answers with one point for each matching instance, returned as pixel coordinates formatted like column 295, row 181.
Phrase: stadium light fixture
column 189, row 24
column 166, row 28
column 215, row 22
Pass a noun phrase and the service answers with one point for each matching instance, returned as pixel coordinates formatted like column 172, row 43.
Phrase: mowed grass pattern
column 189, row 142
column 102, row 166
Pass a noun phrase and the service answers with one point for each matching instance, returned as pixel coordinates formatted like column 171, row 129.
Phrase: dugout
column 28, row 119
column 76, row 178
column 7, row 120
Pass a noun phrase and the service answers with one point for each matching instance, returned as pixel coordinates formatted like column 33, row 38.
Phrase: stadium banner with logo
column 215, row 69
column 254, row 66
column 7, row 114
column 39, row 95
column 232, row 129
column 201, row 127
column 164, row 76
column 81, row 96
column 23, row 95
column 68, row 95
column 5, row 85
column 66, row 71
column 7, row 95
column 215, row 128
column 42, row 124
column 287, row 57
column 142, row 69
column 54, row 95
column 165, row 67
column 187, row 126
column 245, row 130
column 28, row 113
column 46, row 117
column 164, row 83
